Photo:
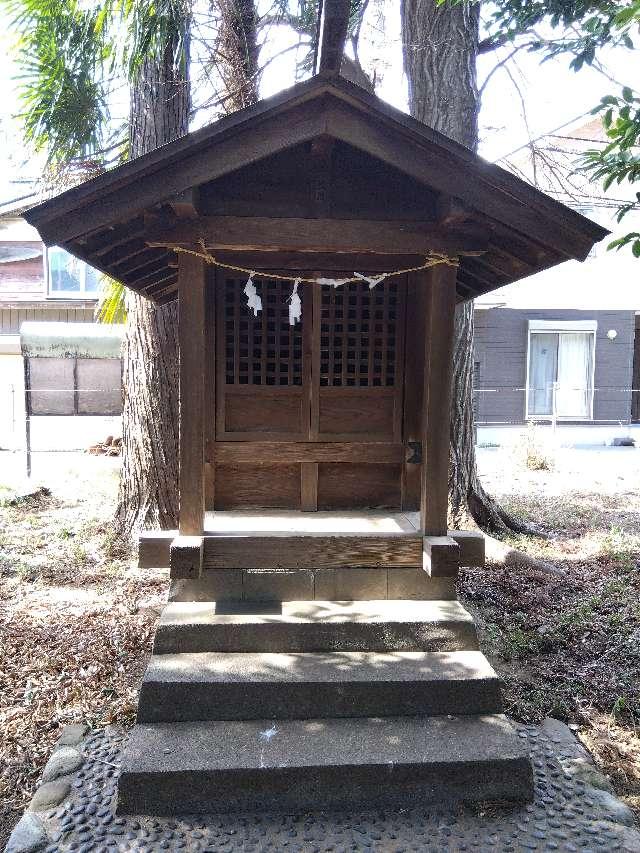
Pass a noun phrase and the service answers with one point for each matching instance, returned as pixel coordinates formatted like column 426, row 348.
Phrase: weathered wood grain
column 311, row 551
column 191, row 336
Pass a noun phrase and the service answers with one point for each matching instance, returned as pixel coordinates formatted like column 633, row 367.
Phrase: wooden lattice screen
column 358, row 335
column 262, row 350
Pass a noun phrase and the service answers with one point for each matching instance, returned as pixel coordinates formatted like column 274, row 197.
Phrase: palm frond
column 111, row 307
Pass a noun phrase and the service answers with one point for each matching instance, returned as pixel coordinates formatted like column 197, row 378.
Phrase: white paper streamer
column 372, row 279
column 333, row 282
column 295, row 305
column 253, row 300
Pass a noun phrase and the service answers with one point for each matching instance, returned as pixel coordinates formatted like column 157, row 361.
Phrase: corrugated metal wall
column 12, row 316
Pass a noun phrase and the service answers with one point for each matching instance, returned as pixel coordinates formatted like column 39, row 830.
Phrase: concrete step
column 315, row 626
column 247, row 686
column 173, row 768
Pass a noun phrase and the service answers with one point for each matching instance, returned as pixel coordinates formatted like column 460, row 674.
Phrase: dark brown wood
column 440, row 282
column 257, row 233
column 359, row 486
column 210, row 389
column 414, row 381
column 233, row 452
column 258, row 486
column 185, row 204
column 309, row 486
column 321, row 159
column 191, row 335
column 256, row 551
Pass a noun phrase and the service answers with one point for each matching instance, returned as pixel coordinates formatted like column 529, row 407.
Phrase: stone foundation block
column 277, row 585
column 186, row 556
column 212, row 585
column 416, row 584
column 441, row 556
column 472, row 547
column 351, row 584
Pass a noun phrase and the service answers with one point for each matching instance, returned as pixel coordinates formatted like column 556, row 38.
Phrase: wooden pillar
column 438, row 372
column 210, row 394
column 191, row 336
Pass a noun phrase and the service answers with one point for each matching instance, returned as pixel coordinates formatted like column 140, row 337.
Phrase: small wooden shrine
column 317, row 244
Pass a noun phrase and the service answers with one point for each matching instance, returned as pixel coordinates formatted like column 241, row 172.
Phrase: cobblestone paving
column 568, row 815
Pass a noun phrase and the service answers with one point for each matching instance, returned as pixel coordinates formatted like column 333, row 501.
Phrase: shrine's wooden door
column 309, row 416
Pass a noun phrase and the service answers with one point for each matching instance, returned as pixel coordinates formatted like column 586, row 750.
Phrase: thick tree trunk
column 160, row 103
column 237, row 44
column 440, row 49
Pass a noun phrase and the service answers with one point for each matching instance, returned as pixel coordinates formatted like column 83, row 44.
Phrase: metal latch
column 414, row 452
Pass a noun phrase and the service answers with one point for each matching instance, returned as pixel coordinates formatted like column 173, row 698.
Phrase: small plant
column 530, row 451
column 618, row 546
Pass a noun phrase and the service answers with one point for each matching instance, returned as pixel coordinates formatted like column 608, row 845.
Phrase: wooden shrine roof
column 506, row 228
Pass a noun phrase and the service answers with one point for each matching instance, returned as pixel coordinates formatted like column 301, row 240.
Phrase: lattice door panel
column 359, row 335
column 263, row 350
column 263, row 376
column 358, row 362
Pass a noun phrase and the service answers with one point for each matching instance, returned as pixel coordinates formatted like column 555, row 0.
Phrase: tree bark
column 237, row 44
column 148, row 496
column 440, row 49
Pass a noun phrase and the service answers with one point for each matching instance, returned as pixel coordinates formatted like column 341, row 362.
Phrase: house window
column 68, row 277
column 560, row 369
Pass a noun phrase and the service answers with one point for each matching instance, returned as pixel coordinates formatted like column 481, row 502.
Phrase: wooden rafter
column 253, row 233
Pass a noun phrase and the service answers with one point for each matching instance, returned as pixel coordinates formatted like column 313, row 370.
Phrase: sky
column 552, row 92
column 554, row 96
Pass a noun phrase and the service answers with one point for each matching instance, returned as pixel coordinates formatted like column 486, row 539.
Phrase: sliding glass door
column 560, row 367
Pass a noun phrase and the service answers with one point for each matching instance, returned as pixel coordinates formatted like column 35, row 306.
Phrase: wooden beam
column 210, row 395
column 334, row 23
column 257, row 233
column 436, row 412
column 191, row 336
column 185, row 204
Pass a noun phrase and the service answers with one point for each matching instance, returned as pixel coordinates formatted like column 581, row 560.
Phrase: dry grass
column 76, row 621
column 77, row 616
column 569, row 646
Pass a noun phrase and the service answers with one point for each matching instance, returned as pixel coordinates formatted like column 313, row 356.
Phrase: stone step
column 247, row 686
column 199, row 767
column 315, row 626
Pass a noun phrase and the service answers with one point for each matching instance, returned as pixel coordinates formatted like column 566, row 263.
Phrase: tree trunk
column 237, row 44
column 440, row 49
column 160, row 103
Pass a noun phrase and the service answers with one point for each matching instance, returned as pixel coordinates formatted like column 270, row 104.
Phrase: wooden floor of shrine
column 291, row 539
column 278, row 522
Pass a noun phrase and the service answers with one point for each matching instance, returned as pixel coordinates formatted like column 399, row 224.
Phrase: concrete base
column 315, row 626
column 297, row 764
column 232, row 686
column 350, row 584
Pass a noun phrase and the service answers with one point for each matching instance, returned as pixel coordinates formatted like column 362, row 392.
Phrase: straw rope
column 431, row 260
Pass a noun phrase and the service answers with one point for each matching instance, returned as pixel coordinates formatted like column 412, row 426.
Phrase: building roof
column 103, row 220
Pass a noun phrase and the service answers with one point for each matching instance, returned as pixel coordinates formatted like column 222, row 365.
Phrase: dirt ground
column 77, row 616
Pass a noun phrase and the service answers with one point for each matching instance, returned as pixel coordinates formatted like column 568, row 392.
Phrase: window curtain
column 543, row 365
column 575, row 367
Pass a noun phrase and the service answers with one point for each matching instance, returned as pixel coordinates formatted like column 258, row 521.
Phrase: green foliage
column 619, row 161
column 63, row 59
column 111, row 306
column 584, row 27
column 72, row 53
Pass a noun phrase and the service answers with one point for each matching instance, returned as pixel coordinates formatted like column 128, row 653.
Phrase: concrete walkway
column 574, row 810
